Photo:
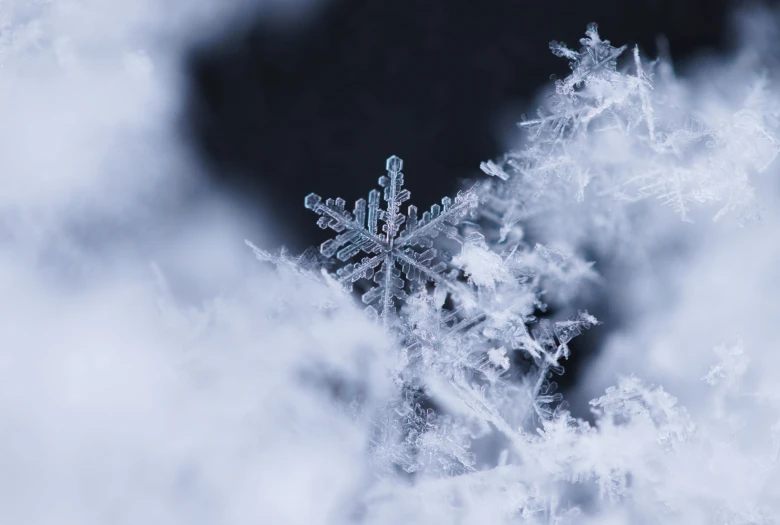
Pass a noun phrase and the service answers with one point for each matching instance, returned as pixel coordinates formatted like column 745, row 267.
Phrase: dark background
column 280, row 110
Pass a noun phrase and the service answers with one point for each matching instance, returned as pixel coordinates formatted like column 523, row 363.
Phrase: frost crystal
column 597, row 58
column 611, row 137
column 471, row 426
column 496, row 301
column 460, row 318
column 399, row 259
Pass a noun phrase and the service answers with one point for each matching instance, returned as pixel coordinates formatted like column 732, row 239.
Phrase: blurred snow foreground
column 202, row 388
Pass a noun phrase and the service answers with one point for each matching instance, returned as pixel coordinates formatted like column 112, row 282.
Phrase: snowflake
column 594, row 65
column 456, row 319
column 399, row 260
column 597, row 58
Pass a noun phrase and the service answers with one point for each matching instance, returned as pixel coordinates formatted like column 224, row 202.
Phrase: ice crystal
column 496, row 302
column 460, row 310
column 488, row 295
column 472, row 427
column 399, row 259
column 596, row 58
column 611, row 135
column 576, row 104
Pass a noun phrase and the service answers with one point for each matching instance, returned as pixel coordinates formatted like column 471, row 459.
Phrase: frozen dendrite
column 612, row 135
column 399, row 259
column 454, row 316
column 473, row 358
column 596, row 59
column 474, row 361
column 401, row 263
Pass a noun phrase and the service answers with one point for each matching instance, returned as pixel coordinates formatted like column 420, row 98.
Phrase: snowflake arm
column 439, row 219
column 394, row 196
column 352, row 273
column 358, row 236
